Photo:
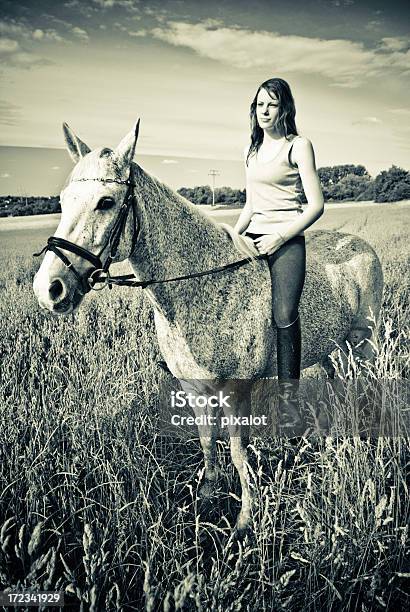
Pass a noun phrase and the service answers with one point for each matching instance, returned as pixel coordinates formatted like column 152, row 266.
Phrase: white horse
column 216, row 327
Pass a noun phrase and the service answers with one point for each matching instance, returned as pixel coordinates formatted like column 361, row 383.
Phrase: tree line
column 345, row 182
column 15, row 206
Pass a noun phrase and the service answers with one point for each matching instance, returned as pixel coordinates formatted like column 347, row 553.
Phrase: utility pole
column 213, row 173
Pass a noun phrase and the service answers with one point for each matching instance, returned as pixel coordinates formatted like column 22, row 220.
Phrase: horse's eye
column 105, row 204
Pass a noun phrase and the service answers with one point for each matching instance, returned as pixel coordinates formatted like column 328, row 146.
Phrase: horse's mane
column 244, row 245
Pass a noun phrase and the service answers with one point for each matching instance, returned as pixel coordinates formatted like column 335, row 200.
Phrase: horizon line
column 142, row 153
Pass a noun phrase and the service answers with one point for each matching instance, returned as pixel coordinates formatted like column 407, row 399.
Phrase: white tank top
column 273, row 190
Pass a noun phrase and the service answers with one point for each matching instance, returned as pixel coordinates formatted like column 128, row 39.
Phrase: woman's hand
column 268, row 244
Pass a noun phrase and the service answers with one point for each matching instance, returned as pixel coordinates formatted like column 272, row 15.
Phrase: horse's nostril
column 56, row 289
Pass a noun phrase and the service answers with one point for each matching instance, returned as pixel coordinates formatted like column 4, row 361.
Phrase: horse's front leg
column 240, row 407
column 207, row 429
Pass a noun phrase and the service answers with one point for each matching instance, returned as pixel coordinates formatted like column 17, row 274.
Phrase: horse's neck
column 174, row 238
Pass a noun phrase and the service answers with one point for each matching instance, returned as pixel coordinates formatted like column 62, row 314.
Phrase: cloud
column 397, row 43
column 11, row 54
column 344, row 62
column 13, row 28
column 55, row 167
column 67, row 25
column 80, row 34
column 24, row 34
column 38, row 34
column 138, row 33
column 374, row 24
column 169, row 161
column 28, row 60
column 49, row 34
column 5, row 175
column 364, row 120
column 131, row 6
column 341, row 2
column 106, row 3
column 213, row 23
column 7, row 45
column 9, row 113
column 400, row 111
column 83, row 8
column 20, row 30
column 16, row 43
column 156, row 13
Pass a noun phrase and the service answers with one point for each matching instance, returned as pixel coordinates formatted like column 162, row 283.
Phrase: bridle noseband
column 94, row 275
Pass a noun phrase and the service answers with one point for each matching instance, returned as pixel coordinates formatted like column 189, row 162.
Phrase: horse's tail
column 244, row 245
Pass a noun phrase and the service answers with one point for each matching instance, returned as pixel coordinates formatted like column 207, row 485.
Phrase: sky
column 190, row 69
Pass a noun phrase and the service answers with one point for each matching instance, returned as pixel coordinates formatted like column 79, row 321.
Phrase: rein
column 99, row 273
column 126, row 280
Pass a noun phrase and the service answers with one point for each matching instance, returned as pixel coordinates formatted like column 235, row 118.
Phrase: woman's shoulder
column 302, row 147
column 301, row 150
column 301, row 141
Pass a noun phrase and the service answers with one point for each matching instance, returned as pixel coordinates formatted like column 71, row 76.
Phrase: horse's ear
column 76, row 147
column 124, row 153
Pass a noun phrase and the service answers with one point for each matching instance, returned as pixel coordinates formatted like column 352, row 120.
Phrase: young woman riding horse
column 275, row 161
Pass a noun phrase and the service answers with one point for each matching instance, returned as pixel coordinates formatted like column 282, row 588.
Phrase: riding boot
column 289, row 346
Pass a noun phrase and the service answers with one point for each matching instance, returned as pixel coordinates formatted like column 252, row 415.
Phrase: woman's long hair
column 285, row 122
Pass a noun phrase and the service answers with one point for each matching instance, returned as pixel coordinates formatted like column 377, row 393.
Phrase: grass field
column 94, row 501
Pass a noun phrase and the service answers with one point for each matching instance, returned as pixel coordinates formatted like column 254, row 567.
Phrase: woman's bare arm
column 246, row 213
column 244, row 218
column 304, row 156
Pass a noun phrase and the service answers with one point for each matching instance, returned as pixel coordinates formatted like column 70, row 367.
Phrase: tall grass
column 94, row 501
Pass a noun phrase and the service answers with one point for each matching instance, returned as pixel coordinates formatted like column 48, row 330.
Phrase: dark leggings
column 287, row 268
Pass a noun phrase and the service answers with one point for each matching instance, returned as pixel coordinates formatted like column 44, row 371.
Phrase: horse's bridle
column 95, row 274
column 99, row 273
